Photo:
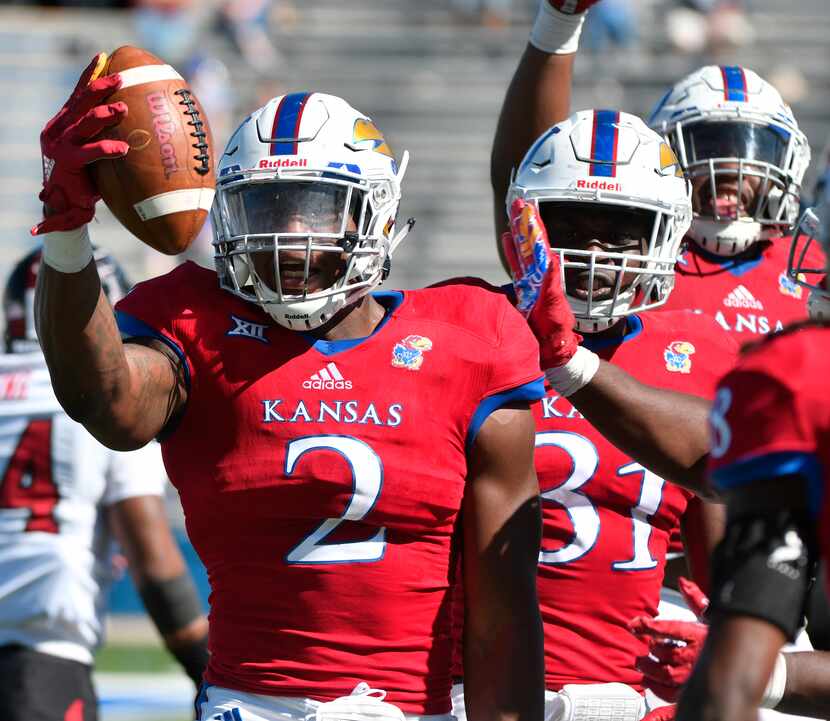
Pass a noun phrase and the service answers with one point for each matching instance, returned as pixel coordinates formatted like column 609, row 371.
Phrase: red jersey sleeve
column 512, row 372
column 760, row 422
column 155, row 309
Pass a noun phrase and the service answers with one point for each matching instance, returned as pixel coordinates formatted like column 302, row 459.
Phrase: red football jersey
column 321, row 480
column 751, row 297
column 608, row 520
column 771, row 417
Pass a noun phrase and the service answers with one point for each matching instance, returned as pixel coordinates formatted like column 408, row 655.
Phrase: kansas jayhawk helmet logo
column 409, row 353
column 365, row 131
column 678, row 356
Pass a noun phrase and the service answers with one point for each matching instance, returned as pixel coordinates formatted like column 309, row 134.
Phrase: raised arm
column 503, row 646
column 124, row 395
column 539, row 94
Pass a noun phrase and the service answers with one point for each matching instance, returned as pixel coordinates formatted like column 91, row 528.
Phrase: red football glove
column 68, row 193
column 571, row 7
column 537, row 281
column 674, row 644
column 664, row 713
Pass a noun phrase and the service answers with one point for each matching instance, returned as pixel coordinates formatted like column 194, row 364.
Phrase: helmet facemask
column 615, row 259
column 812, row 228
column 303, row 245
column 744, row 187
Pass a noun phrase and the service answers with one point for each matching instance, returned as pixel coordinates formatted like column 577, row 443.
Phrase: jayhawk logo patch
column 678, row 356
column 409, row 353
column 787, row 286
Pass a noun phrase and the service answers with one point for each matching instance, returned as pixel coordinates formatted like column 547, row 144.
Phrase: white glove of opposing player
column 363, row 704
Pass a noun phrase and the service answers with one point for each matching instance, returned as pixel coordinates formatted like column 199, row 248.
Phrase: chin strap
column 398, row 239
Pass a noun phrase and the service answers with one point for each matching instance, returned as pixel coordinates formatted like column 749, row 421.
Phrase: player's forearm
column 81, row 344
column 503, row 637
column 807, row 692
column 504, row 670
column 539, row 96
column 732, row 672
column 663, row 430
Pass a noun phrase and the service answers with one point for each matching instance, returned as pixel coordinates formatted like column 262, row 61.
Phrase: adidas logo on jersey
column 329, row 378
column 742, row 298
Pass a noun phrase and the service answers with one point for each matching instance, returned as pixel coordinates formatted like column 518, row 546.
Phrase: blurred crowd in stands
column 693, row 26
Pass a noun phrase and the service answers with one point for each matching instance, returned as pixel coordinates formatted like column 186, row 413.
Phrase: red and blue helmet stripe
column 604, row 138
column 734, row 83
column 287, row 123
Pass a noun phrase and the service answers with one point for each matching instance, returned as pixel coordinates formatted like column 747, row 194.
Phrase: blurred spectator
column 166, row 28
column 488, row 13
column 611, row 24
column 246, row 23
column 712, row 26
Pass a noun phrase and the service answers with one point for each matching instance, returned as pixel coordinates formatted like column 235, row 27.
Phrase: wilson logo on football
column 164, row 129
column 329, row 378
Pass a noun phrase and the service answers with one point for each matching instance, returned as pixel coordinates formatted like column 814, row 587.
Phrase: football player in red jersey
column 770, row 428
column 737, row 141
column 614, row 201
column 770, row 455
column 607, row 518
column 324, row 439
column 741, row 147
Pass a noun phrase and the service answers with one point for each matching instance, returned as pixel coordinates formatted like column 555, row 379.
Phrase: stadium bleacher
column 435, row 89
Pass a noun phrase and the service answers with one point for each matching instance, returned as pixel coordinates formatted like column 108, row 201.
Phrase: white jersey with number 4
column 55, row 482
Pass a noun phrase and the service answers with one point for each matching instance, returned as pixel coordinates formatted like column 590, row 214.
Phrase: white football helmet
column 310, row 156
column 813, row 226
column 609, row 163
column 727, row 124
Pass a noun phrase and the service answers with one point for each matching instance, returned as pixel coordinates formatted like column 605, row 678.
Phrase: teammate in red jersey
column 607, row 518
column 764, row 470
column 741, row 147
column 770, row 454
column 323, row 439
column 737, row 141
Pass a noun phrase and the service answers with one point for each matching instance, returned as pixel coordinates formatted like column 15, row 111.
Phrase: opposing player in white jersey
column 64, row 500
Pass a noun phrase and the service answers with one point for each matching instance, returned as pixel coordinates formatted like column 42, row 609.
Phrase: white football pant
column 222, row 704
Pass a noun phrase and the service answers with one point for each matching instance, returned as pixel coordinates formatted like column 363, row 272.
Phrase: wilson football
column 162, row 190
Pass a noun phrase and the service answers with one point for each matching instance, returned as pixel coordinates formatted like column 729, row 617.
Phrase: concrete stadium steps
column 434, row 86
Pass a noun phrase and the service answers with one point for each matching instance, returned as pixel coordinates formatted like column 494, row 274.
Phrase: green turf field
column 135, row 659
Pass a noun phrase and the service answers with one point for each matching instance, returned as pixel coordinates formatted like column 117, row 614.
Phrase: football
column 162, row 190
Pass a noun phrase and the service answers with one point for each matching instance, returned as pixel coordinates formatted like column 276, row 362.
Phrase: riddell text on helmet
column 284, row 163
column 164, row 129
column 598, row 185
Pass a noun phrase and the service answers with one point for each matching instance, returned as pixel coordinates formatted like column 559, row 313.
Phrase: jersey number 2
column 27, row 482
column 367, row 480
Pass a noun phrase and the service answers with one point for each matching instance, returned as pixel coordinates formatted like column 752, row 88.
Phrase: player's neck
column 357, row 320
